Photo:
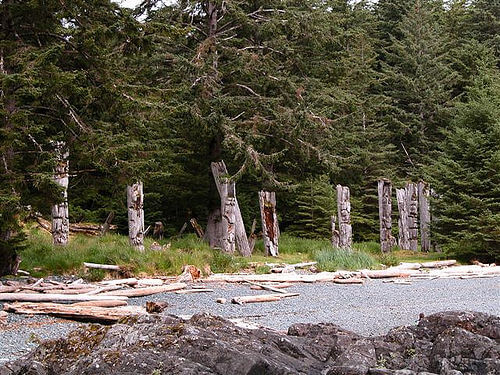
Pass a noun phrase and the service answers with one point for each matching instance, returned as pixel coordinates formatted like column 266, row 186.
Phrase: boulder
column 449, row 343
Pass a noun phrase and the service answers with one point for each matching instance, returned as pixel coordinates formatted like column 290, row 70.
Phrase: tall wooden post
column 135, row 204
column 335, row 233
column 425, row 215
column 344, row 216
column 387, row 241
column 60, row 213
column 408, row 212
column 228, row 206
column 220, row 174
column 412, row 199
column 270, row 228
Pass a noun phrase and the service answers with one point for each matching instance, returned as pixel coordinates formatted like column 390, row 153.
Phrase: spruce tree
column 465, row 176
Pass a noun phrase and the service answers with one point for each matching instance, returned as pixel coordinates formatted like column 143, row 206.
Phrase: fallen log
column 261, row 298
column 8, row 289
column 129, row 281
column 37, row 297
column 110, row 267
column 105, row 289
column 110, row 303
column 380, row 274
column 140, row 292
column 349, row 281
column 149, row 282
column 277, row 277
column 69, row 291
column 266, row 287
column 92, row 313
column 191, row 291
column 274, row 285
column 439, row 263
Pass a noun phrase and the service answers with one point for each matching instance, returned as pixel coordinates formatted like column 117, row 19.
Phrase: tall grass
column 330, row 259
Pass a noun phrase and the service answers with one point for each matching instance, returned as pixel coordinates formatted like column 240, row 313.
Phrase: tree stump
column 335, row 233
column 270, row 228
column 387, row 241
column 228, row 208
column 135, row 203
column 425, row 215
column 60, row 213
column 344, row 217
column 408, row 212
column 220, row 174
column 158, row 230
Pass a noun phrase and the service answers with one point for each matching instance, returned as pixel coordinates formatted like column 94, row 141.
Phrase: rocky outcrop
column 448, row 343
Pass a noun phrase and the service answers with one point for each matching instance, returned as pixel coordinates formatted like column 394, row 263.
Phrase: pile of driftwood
column 105, row 301
column 411, row 271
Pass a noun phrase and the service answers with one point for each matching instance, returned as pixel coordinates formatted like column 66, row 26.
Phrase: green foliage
column 466, row 179
column 314, row 204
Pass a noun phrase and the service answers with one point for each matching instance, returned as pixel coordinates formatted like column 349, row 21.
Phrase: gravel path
column 370, row 309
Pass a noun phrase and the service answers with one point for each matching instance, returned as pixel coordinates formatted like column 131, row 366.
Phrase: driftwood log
column 344, row 217
column 92, row 313
column 135, row 202
column 387, row 241
column 60, row 213
column 262, row 298
column 220, row 174
column 39, row 297
column 270, row 228
column 425, row 215
column 140, row 292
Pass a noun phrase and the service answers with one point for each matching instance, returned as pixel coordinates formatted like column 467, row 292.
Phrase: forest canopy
column 294, row 95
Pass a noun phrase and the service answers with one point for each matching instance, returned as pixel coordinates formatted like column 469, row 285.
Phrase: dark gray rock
column 444, row 343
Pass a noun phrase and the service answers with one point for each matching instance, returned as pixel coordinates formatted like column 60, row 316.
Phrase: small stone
column 221, row 300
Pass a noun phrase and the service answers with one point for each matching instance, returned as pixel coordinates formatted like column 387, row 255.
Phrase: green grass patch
column 330, row 259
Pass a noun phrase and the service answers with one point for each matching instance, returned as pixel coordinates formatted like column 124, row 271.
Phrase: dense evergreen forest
column 294, row 95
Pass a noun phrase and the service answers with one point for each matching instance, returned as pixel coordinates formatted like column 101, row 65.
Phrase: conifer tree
column 466, row 178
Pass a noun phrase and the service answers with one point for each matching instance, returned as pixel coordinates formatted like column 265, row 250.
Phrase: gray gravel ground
column 370, row 309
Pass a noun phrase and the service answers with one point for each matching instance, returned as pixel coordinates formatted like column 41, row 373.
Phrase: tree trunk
column 335, row 233
column 60, row 214
column 213, row 232
column 135, row 201
column 425, row 215
column 344, row 217
column 387, row 241
column 408, row 212
column 228, row 207
column 219, row 172
column 270, row 228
